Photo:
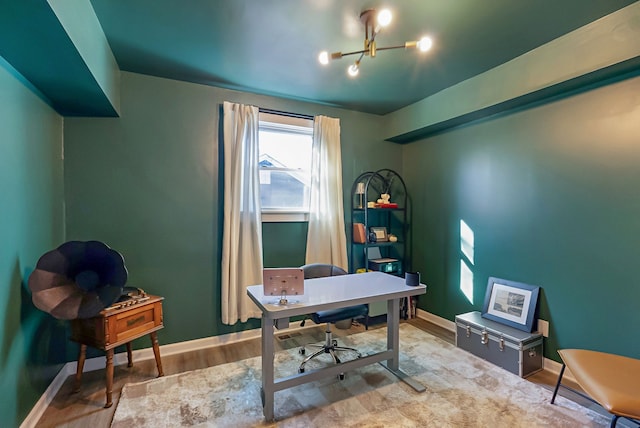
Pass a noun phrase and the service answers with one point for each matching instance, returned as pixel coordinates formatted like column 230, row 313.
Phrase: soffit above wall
column 38, row 47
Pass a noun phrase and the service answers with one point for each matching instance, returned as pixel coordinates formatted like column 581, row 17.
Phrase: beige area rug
column 462, row 391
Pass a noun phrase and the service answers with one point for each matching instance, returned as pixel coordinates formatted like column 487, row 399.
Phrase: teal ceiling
column 271, row 46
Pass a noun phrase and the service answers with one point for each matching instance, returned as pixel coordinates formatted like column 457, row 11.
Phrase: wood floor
column 85, row 408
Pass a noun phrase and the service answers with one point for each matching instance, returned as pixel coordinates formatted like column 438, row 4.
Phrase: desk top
column 335, row 292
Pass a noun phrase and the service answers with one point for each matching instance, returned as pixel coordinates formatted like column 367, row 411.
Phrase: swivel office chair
column 330, row 346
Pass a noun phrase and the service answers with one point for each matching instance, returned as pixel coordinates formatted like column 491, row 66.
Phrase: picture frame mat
column 511, row 303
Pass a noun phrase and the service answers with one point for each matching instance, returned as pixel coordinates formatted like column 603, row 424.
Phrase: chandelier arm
column 406, row 45
column 362, row 52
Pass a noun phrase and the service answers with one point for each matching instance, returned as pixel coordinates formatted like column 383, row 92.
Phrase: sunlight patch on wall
column 466, row 260
column 466, row 281
column 466, row 241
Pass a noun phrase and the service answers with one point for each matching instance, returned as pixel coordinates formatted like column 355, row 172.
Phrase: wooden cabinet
column 116, row 326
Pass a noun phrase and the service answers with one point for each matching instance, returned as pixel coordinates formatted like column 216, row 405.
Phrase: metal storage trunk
column 514, row 350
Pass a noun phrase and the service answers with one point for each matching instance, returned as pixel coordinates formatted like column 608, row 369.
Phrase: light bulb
column 353, row 70
column 323, row 57
column 424, row 44
column 384, row 17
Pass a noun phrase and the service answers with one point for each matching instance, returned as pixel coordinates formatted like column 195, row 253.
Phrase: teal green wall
column 551, row 193
column 285, row 244
column 148, row 185
column 31, row 223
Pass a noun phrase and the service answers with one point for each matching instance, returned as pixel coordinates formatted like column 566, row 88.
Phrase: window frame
column 292, row 124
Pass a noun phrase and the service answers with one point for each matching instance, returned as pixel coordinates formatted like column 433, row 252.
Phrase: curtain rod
column 285, row 113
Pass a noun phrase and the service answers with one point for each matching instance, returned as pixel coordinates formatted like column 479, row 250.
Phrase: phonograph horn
column 78, row 279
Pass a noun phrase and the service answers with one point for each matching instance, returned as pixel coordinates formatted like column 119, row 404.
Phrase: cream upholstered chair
column 330, row 346
column 612, row 381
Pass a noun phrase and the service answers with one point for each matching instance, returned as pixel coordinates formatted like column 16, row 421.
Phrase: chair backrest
column 320, row 270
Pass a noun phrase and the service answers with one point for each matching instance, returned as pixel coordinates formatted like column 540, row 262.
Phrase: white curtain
column 242, row 231
column 326, row 238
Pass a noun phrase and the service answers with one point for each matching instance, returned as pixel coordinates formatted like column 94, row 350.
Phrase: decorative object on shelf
column 359, row 235
column 393, row 238
column 384, row 202
column 511, row 303
column 373, row 22
column 386, row 265
column 389, row 205
column 360, row 193
column 384, row 199
column 380, row 233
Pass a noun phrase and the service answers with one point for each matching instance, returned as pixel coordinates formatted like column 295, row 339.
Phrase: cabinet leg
column 156, row 352
column 129, row 355
column 109, row 378
column 81, row 357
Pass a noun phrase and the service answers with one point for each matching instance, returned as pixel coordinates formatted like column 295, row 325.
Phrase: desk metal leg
column 393, row 344
column 267, row 368
column 393, row 331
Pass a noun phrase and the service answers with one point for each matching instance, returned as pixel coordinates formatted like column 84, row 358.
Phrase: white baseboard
column 98, row 363
column 435, row 319
column 41, row 405
column 554, row 367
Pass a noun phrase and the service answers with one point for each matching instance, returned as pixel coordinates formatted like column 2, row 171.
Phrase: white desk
column 331, row 293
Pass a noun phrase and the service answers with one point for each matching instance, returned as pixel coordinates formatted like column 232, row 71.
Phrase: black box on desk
column 514, row 350
column 386, row 265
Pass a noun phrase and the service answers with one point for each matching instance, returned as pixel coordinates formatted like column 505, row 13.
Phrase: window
column 285, row 166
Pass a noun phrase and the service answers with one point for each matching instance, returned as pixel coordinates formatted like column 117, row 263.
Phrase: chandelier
column 373, row 22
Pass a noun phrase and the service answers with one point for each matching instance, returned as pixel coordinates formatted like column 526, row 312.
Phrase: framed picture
column 511, row 303
column 381, row 234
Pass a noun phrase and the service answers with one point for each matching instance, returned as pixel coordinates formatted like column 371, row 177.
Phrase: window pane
column 285, row 165
column 285, row 149
column 284, row 190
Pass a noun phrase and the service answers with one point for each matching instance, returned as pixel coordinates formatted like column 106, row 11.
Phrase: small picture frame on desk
column 380, row 233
